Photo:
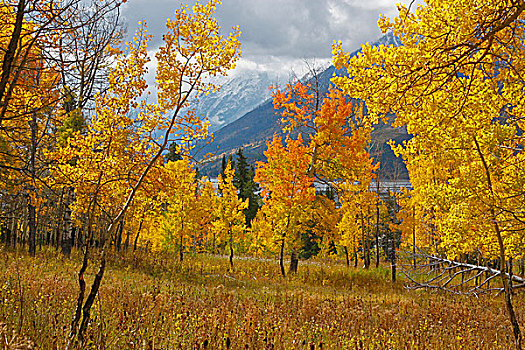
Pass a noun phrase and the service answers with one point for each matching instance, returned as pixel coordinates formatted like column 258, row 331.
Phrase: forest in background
column 98, row 176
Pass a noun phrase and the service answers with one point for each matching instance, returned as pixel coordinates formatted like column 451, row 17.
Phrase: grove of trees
column 456, row 83
column 88, row 162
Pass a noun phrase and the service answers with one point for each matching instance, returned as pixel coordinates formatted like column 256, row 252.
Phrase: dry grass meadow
column 154, row 302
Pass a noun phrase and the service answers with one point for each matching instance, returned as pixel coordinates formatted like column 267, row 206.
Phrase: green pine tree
column 223, row 165
column 173, row 153
column 248, row 188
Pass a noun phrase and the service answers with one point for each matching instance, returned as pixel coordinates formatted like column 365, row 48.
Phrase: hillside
column 252, row 131
column 237, row 96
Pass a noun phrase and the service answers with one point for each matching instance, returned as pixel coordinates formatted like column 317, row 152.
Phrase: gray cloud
column 285, row 31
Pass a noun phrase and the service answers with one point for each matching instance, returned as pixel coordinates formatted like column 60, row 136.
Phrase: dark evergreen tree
column 231, row 161
column 225, row 162
column 198, row 174
column 248, row 189
column 310, row 247
column 242, row 173
column 173, row 153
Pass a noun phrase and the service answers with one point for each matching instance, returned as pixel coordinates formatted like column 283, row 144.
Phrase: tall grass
column 154, row 302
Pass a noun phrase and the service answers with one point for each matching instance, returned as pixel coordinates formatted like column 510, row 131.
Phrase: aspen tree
column 121, row 150
column 230, row 224
column 455, row 83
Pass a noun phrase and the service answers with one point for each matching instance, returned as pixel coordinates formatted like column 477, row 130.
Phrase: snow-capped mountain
column 246, row 90
column 237, row 96
column 387, row 39
column 253, row 129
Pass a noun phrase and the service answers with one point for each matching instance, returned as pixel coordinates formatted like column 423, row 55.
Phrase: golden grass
column 154, row 302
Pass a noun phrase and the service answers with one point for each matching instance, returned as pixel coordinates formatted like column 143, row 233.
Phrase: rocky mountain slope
column 237, row 96
column 252, row 131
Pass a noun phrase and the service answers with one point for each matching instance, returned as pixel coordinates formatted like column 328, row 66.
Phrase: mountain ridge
column 254, row 129
column 237, row 96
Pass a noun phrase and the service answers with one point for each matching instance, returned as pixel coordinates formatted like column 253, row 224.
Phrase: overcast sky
column 278, row 35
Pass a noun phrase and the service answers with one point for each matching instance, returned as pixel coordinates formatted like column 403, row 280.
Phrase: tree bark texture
column 231, row 248
column 294, row 261
column 281, row 259
column 67, row 228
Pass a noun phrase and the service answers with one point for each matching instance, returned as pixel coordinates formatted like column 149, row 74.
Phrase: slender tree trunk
column 57, row 223
column 414, row 237
column 377, row 248
column 138, row 231
column 77, row 237
column 377, row 223
column 478, row 262
column 60, row 223
column 366, row 243
column 86, row 310
column 31, row 210
column 6, row 235
column 9, row 58
column 181, row 250
column 294, row 261
column 231, row 248
column 49, row 237
column 8, row 232
column 31, row 223
column 393, row 257
column 9, row 223
column 14, row 226
column 502, row 258
column 506, row 285
column 281, row 259
column 283, row 235
column 126, row 243
column 80, row 298
column 367, row 261
column 67, row 230
column 79, row 311
column 23, row 236
column 346, row 256
column 118, row 240
column 4, row 224
column 355, row 257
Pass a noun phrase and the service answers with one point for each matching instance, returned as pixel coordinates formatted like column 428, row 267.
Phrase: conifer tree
column 247, row 187
column 174, row 154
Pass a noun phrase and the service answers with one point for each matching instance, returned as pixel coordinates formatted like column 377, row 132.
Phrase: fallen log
column 434, row 272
